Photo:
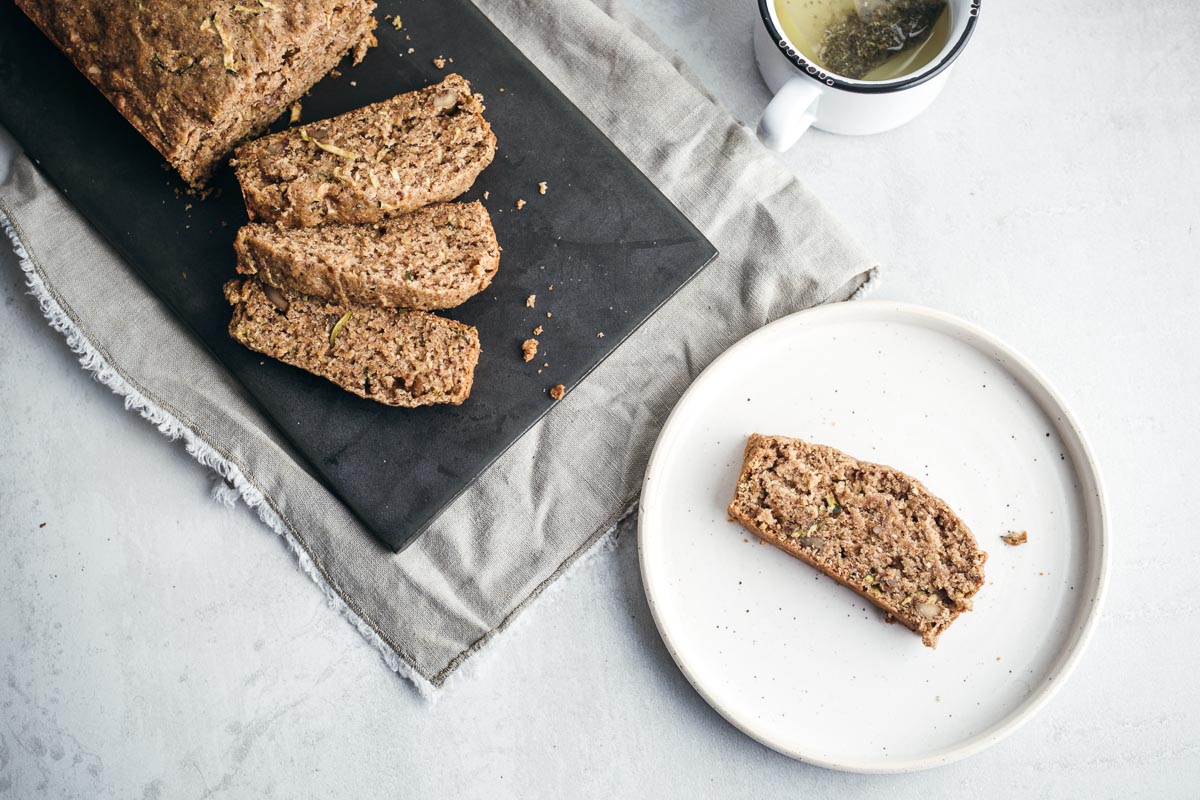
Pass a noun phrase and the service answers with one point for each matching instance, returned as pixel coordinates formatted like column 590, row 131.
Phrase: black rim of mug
column 806, row 67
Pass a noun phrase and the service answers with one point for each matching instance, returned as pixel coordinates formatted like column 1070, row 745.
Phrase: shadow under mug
column 809, row 96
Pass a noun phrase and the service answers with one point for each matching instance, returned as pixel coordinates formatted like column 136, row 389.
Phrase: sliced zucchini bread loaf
column 396, row 357
column 434, row 257
column 867, row 526
column 196, row 77
column 378, row 161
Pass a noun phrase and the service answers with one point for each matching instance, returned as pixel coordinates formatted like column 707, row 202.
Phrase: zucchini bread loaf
column 399, row 358
column 435, row 257
column 381, row 160
column 196, row 77
column 870, row 527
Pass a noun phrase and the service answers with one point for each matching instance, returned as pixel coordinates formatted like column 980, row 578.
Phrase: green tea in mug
column 867, row 40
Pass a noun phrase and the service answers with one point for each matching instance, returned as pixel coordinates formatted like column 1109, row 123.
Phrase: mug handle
column 789, row 114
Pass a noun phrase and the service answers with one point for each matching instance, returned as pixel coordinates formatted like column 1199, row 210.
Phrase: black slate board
column 608, row 242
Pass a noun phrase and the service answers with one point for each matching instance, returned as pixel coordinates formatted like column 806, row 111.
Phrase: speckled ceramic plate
column 804, row 665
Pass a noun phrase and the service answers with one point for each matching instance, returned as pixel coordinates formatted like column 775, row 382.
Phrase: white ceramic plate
column 804, row 665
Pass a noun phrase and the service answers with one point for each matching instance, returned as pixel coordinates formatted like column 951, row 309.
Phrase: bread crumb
column 550, row 287
column 354, row 83
column 530, row 301
column 501, row 88
column 542, row 187
column 557, row 391
column 396, row 23
column 520, row 204
column 600, row 335
column 411, row 51
column 537, row 331
column 1014, row 538
column 294, row 116
column 486, row 195
column 529, row 349
column 548, row 315
column 333, row 73
column 439, row 62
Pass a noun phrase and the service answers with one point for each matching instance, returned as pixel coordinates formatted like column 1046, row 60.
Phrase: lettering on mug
column 792, row 54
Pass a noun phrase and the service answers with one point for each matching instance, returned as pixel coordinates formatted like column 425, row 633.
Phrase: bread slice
column 399, row 358
column 435, row 257
column 867, row 526
column 378, row 161
column 194, row 77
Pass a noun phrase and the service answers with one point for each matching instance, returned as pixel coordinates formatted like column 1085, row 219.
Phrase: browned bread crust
column 195, row 77
column 395, row 357
column 867, row 526
column 435, row 257
column 378, row 161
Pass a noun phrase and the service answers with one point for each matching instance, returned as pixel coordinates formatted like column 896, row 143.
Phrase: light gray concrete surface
column 154, row 644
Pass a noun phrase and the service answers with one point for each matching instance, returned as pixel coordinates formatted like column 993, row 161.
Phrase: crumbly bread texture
column 867, row 526
column 378, row 161
column 435, row 257
column 396, row 357
column 195, row 77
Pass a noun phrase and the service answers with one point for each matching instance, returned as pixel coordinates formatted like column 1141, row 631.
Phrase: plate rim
column 1073, row 646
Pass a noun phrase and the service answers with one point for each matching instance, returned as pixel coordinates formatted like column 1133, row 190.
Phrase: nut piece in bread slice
column 869, row 527
column 392, row 356
column 378, row 161
column 438, row 256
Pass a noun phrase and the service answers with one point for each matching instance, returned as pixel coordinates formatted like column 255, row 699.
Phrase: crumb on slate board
column 530, row 301
column 529, row 349
column 557, row 391
column 542, row 187
column 1014, row 538
column 520, row 204
column 537, row 331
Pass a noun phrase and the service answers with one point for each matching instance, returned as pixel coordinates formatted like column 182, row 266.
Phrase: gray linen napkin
column 569, row 479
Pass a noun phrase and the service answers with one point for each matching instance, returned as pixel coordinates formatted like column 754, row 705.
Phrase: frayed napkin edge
column 233, row 482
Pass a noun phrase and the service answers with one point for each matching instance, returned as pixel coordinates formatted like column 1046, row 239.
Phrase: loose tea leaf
column 862, row 41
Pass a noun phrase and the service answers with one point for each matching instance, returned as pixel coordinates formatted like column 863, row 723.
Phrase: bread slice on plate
column 395, row 357
column 869, row 527
column 435, row 257
column 378, row 161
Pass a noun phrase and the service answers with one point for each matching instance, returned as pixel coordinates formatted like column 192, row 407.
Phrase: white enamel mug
column 808, row 96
